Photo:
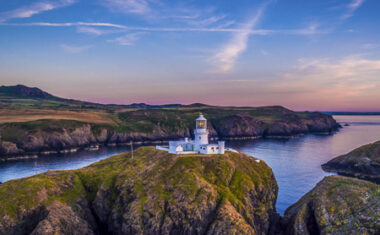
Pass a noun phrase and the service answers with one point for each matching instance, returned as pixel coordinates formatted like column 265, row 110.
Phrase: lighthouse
column 200, row 143
column 200, row 132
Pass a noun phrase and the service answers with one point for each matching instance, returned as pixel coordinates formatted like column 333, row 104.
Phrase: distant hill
column 352, row 113
column 21, row 96
column 21, row 91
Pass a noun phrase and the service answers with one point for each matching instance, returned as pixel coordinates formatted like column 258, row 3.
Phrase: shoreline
column 96, row 147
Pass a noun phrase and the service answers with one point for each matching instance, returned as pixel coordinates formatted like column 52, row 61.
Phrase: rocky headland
column 363, row 163
column 34, row 122
column 149, row 126
column 152, row 193
column 155, row 192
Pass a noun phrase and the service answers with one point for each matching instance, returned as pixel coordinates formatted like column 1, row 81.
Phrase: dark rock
column 239, row 126
column 363, row 163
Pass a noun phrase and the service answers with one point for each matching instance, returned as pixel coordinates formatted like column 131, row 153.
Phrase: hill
column 363, row 163
column 33, row 126
column 20, row 91
column 20, row 97
column 152, row 193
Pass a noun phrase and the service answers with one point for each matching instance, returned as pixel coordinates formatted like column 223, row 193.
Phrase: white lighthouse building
column 198, row 145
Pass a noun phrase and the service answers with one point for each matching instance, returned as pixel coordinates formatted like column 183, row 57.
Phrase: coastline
column 98, row 146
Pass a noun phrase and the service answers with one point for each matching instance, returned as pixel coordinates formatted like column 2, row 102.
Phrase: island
column 363, row 163
column 34, row 122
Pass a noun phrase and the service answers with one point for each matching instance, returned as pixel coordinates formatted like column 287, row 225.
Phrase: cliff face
column 337, row 205
column 363, row 163
column 152, row 193
column 43, row 136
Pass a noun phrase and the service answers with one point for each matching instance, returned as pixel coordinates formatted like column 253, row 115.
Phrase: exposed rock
column 239, row 126
column 337, row 205
column 363, row 163
column 153, row 193
column 151, row 126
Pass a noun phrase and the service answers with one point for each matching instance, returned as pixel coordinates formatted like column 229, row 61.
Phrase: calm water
column 295, row 162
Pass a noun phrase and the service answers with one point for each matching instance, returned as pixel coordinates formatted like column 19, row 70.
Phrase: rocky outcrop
column 152, row 193
column 239, row 126
column 337, row 205
column 363, row 163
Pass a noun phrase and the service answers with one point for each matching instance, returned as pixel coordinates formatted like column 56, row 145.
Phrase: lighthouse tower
column 200, row 133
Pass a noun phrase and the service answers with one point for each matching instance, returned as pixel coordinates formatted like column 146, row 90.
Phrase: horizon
column 320, row 56
column 193, row 103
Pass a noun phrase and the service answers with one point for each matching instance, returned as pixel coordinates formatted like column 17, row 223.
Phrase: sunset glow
column 304, row 55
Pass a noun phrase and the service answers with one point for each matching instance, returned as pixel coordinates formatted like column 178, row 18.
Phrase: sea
column 296, row 162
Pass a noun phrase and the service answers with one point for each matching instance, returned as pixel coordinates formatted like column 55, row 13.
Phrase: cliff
column 337, row 205
column 152, row 193
column 64, row 133
column 363, row 163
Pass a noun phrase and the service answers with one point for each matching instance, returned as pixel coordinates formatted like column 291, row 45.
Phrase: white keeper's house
column 198, row 145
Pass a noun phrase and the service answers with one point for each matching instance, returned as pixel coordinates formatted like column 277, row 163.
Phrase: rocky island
column 363, row 163
column 34, row 122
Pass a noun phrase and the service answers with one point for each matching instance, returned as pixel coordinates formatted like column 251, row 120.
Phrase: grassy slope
column 23, row 111
column 129, row 120
column 152, row 172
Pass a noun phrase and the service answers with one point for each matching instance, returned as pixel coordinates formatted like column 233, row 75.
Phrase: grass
column 150, row 177
column 27, row 115
column 154, row 121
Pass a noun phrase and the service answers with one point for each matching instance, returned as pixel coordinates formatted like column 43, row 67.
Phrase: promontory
column 363, row 163
column 151, row 192
column 34, row 122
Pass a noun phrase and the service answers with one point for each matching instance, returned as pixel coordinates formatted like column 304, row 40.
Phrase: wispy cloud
column 368, row 46
column 224, row 60
column 303, row 31
column 128, row 6
column 349, row 76
column 33, row 9
column 351, row 8
column 74, row 49
column 128, row 39
column 69, row 24
column 97, row 31
column 90, row 30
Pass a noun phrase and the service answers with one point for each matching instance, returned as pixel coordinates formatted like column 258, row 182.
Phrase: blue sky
column 316, row 55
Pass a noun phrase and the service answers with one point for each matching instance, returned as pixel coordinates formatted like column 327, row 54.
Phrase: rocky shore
column 337, row 205
column 159, row 193
column 362, row 163
column 43, row 137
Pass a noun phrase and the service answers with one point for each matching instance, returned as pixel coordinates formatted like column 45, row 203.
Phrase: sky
column 305, row 55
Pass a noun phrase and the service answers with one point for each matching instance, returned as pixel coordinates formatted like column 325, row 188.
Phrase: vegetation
column 33, row 121
column 148, row 181
column 337, row 205
column 363, row 163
